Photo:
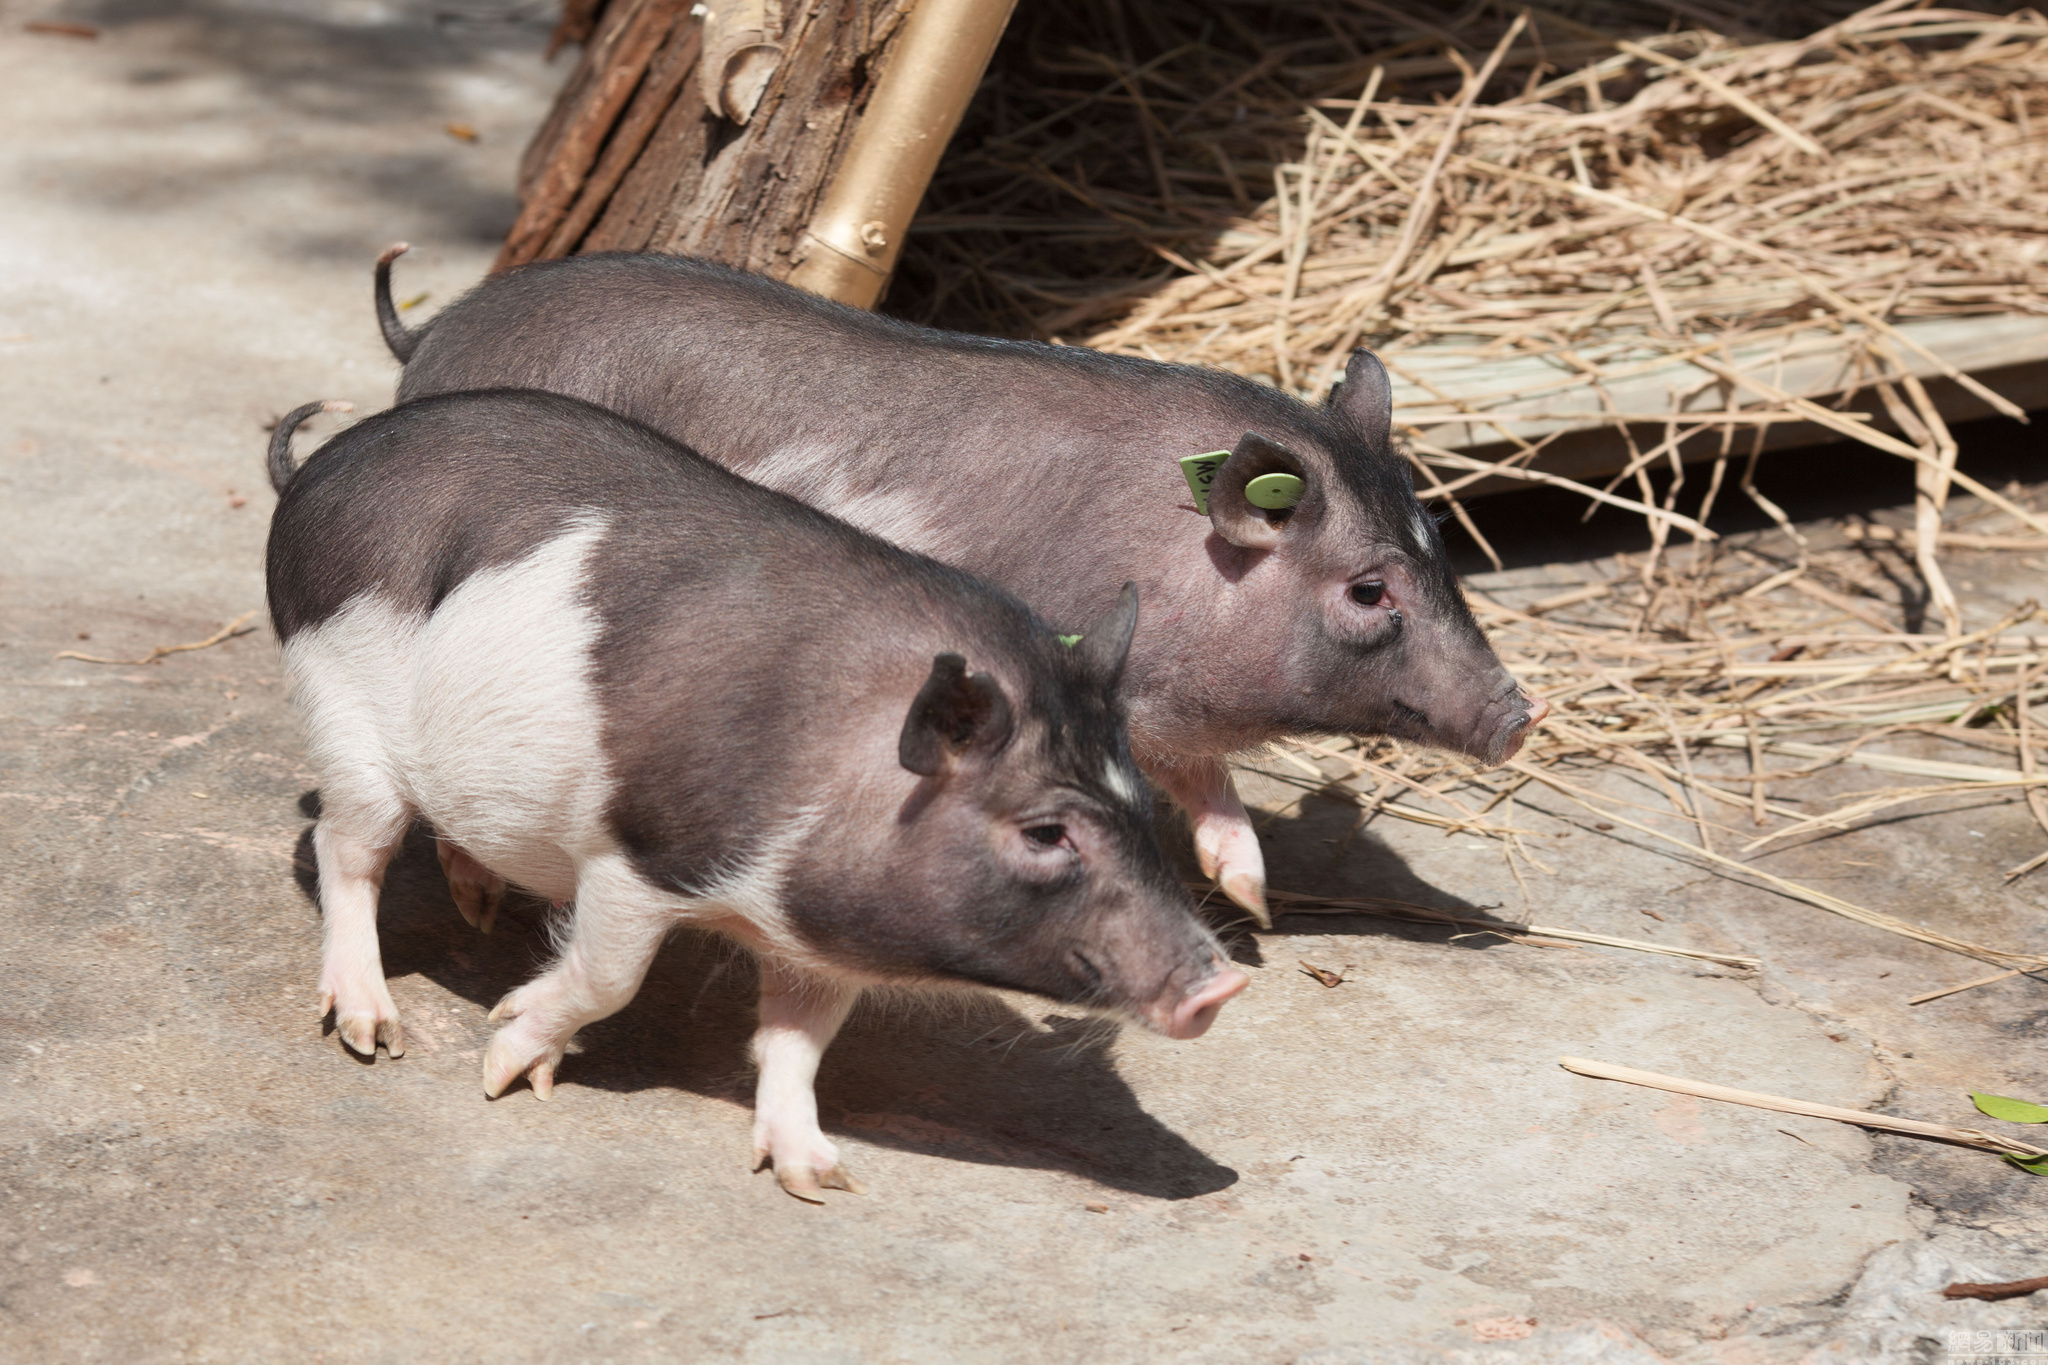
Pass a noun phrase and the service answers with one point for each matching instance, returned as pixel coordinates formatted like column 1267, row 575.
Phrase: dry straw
column 1884, row 1123
column 1610, row 187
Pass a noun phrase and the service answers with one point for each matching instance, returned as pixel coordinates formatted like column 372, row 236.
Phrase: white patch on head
column 1119, row 781
column 1421, row 524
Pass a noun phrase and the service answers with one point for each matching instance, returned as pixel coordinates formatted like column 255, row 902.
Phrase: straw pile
column 1611, row 185
column 1262, row 204
column 1725, row 687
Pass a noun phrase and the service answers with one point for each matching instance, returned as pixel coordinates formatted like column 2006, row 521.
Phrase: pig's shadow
column 1315, row 849
column 968, row 1078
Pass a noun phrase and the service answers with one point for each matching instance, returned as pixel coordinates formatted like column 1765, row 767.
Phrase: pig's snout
column 1195, row 1011
column 1531, row 709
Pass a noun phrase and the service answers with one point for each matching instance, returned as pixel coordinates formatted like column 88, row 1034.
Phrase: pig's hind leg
column 800, row 1014
column 477, row 890
column 1225, row 844
column 617, row 924
column 353, row 843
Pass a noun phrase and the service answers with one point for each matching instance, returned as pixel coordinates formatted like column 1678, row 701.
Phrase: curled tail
column 402, row 340
column 281, row 467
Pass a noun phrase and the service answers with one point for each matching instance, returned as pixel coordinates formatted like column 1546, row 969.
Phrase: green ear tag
column 1274, row 492
column 1201, row 472
column 1068, row 640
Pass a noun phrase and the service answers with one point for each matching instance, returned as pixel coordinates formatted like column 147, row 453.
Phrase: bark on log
column 631, row 159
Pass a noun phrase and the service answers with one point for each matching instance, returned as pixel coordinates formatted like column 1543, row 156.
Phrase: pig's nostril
column 1194, row 1014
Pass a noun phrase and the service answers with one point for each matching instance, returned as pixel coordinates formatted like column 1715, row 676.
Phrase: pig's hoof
column 1248, row 890
column 510, row 1056
column 363, row 1019
column 805, row 1165
column 808, row 1183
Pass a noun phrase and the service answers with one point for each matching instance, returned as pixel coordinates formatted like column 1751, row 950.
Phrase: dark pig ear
column 955, row 711
column 1108, row 642
column 1366, row 398
column 1231, row 509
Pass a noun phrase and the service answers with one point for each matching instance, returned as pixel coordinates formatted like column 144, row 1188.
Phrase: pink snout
column 1538, row 709
column 1198, row 1009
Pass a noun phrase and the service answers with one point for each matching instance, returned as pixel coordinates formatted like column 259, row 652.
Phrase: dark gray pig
column 612, row 673
column 1054, row 472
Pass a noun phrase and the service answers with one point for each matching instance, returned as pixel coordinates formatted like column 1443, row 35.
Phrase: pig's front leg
column 1225, row 845
column 800, row 1013
column 618, row 923
column 477, row 890
column 352, row 854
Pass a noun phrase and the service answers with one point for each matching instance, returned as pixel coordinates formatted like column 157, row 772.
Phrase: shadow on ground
column 960, row 1075
column 1317, row 848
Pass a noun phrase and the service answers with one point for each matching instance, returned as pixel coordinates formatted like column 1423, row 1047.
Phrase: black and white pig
column 1052, row 471
column 611, row 672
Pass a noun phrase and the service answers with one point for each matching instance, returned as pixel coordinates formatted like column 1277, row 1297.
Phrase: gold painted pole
column 852, row 242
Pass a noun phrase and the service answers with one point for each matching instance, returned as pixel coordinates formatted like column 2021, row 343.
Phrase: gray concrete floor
column 1390, row 1170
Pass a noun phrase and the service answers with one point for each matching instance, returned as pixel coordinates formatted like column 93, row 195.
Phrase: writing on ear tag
column 1274, row 492
column 1068, row 640
column 1201, row 472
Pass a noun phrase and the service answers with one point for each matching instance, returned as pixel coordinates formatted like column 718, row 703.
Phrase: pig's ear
column 955, row 711
column 1366, row 398
column 1231, row 510
column 1108, row 642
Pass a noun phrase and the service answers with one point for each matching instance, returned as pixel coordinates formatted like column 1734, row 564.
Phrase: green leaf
column 2012, row 1111
column 2034, row 1165
column 1070, row 640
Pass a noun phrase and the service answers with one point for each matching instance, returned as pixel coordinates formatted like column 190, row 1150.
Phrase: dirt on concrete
column 1390, row 1169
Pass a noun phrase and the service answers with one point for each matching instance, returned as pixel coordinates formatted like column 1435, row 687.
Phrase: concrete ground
column 1394, row 1169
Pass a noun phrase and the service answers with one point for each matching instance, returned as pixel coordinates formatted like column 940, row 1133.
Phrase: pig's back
column 564, row 629
column 737, row 366
column 1005, row 458
column 413, row 502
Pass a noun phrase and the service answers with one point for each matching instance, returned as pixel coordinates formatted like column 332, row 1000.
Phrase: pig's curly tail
column 402, row 340
column 281, row 466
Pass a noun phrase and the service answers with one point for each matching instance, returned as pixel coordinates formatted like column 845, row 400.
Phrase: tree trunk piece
column 631, row 159
column 623, row 51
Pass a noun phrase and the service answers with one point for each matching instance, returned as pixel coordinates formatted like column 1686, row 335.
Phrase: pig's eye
column 1368, row 594
column 1047, row 836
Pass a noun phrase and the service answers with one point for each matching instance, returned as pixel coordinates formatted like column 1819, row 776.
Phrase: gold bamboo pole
column 851, row 244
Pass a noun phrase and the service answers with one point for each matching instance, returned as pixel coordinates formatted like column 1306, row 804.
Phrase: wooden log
column 580, row 20
column 666, row 74
column 624, row 52
column 634, row 157
column 743, row 195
